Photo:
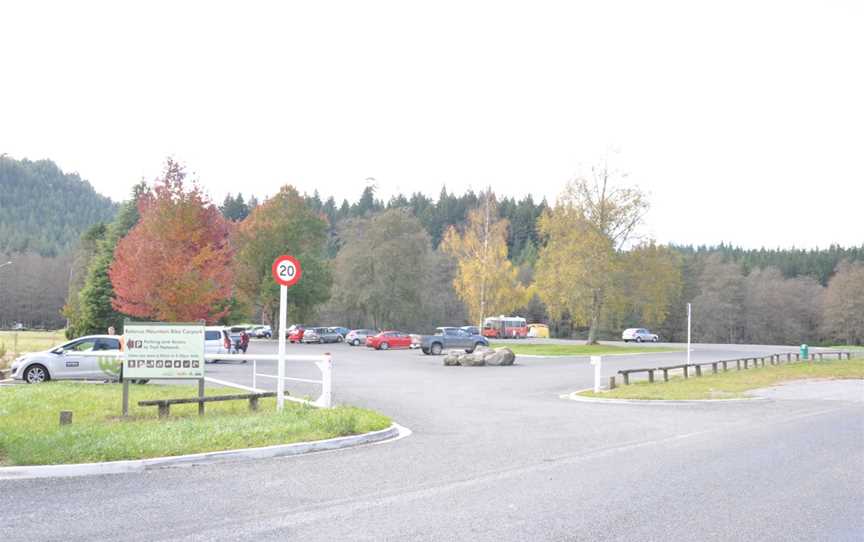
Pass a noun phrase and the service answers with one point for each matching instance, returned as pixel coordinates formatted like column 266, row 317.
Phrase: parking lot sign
column 157, row 350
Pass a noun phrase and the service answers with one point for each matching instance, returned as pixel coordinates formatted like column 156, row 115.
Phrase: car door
column 107, row 367
column 71, row 364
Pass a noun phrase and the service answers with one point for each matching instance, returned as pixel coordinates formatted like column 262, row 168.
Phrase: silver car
column 65, row 362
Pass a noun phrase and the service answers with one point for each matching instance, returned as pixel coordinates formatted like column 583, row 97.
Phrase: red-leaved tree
column 175, row 264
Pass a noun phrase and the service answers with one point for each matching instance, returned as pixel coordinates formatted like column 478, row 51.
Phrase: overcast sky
column 743, row 120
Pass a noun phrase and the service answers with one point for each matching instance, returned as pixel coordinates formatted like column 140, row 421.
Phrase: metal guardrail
column 772, row 359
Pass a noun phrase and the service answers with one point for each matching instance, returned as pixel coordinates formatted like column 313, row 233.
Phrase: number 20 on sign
column 286, row 270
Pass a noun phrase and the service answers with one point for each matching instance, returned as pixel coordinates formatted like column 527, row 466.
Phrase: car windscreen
column 212, row 335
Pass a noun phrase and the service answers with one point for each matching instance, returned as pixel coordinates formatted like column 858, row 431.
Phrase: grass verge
column 578, row 349
column 734, row 384
column 30, row 433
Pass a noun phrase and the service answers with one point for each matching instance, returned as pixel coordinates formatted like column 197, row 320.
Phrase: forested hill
column 43, row 210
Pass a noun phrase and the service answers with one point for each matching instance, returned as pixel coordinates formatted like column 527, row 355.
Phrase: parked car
column 446, row 338
column 262, row 332
column 295, row 333
column 341, row 331
column 356, row 337
column 65, row 362
column 216, row 340
column 322, row 335
column 473, row 330
column 538, row 331
column 389, row 339
column 639, row 335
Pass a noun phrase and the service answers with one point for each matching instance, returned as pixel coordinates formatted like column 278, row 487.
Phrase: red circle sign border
column 274, row 270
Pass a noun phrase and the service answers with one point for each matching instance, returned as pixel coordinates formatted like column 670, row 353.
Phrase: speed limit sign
column 286, row 270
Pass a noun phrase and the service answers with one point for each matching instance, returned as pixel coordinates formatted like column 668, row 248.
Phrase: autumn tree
column 486, row 281
column 844, row 304
column 175, row 265
column 586, row 231
column 647, row 283
column 283, row 224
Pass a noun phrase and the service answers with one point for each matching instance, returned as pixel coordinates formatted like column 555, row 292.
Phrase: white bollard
column 326, row 366
column 597, row 362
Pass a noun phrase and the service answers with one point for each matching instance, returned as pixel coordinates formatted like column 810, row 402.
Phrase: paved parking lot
column 495, row 455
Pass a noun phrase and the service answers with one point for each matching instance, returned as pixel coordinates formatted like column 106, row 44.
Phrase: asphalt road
column 495, row 455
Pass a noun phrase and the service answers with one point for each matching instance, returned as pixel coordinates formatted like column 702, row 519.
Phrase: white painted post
column 283, row 316
column 597, row 362
column 688, row 333
column 326, row 366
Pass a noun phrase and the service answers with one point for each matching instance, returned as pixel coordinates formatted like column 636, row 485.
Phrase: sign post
column 688, row 333
column 597, row 362
column 161, row 350
column 286, row 272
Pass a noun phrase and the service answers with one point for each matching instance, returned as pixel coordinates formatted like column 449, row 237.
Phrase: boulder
column 472, row 360
column 452, row 357
column 500, row 356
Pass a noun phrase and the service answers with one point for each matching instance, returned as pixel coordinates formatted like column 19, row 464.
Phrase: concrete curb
column 574, row 396
column 394, row 432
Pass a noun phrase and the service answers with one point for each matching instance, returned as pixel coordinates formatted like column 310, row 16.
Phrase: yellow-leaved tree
column 585, row 232
column 486, row 281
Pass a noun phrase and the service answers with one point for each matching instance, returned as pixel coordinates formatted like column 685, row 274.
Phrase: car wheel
column 139, row 381
column 356, row 342
column 339, row 339
column 36, row 374
column 638, row 339
column 385, row 346
column 436, row 349
column 655, row 339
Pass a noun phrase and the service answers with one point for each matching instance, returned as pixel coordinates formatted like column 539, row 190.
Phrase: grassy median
column 577, row 349
column 734, row 384
column 30, row 433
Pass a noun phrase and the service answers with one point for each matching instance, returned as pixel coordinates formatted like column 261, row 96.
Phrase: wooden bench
column 165, row 404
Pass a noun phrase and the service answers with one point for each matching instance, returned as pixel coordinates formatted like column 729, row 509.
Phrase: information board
column 157, row 350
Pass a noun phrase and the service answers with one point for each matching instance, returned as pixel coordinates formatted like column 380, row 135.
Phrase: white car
column 64, row 362
column 638, row 334
column 216, row 340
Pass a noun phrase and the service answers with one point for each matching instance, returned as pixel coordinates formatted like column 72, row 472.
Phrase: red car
column 389, row 339
column 295, row 333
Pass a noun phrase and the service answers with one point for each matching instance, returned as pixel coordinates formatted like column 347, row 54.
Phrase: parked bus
column 505, row 327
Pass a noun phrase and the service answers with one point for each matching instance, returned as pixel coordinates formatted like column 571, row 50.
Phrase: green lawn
column 30, row 433
column 734, row 384
column 577, row 349
column 30, row 341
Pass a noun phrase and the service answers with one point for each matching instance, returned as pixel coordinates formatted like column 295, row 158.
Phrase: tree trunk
column 596, row 306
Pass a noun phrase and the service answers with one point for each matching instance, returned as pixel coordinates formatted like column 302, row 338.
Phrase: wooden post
column 65, row 417
column 201, row 396
column 725, row 368
column 820, row 356
column 626, row 377
column 665, row 375
column 612, row 382
column 698, row 370
column 797, row 356
column 650, row 375
column 714, row 367
column 164, row 410
column 746, row 363
column 685, row 372
column 125, row 397
column 788, row 357
column 737, row 364
column 253, row 403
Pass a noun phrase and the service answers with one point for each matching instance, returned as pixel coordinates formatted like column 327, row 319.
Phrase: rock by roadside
column 481, row 356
